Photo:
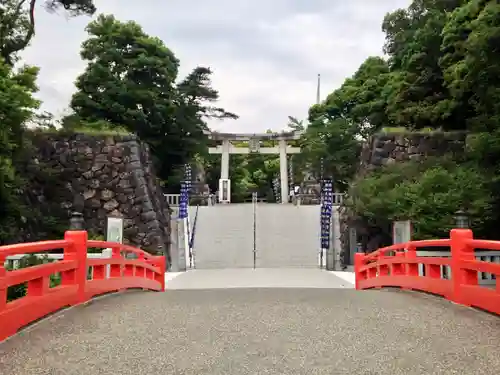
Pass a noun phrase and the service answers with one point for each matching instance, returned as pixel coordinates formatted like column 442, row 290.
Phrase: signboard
column 254, row 145
column 401, row 231
column 114, row 232
column 224, row 190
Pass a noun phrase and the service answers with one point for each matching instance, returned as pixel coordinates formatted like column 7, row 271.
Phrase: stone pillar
column 283, row 171
column 333, row 262
column 224, row 167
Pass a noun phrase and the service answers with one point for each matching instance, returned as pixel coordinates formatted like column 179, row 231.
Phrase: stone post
column 283, row 171
column 224, row 168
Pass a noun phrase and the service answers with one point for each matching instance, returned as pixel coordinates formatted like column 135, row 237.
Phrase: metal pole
column 318, row 90
column 254, row 201
column 191, row 241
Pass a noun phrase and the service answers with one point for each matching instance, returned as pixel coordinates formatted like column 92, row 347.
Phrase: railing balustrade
column 82, row 276
column 466, row 274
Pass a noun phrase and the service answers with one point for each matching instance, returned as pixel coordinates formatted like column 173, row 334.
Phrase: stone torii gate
column 254, row 140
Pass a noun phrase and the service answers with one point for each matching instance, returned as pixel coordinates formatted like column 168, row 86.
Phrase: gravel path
column 259, row 331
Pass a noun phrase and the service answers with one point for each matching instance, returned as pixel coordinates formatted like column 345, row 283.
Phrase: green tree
column 17, row 22
column 347, row 116
column 416, row 87
column 130, row 81
column 295, row 124
column 16, row 108
column 333, row 141
column 427, row 193
column 441, row 73
column 471, row 63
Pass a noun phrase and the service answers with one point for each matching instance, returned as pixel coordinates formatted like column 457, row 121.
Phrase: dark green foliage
column 442, row 73
column 130, row 82
column 18, row 22
column 16, row 107
column 30, row 260
column 427, row 193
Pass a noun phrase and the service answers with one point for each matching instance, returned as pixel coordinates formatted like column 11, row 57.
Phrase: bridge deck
column 259, row 331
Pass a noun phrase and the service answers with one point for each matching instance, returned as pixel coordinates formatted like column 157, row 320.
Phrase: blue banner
column 326, row 212
column 291, row 185
column 277, row 189
column 184, row 201
column 185, row 190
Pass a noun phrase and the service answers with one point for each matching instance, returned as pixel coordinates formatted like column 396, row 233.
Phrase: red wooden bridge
column 337, row 331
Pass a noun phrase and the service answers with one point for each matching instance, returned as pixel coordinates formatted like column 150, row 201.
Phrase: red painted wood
column 376, row 270
column 145, row 272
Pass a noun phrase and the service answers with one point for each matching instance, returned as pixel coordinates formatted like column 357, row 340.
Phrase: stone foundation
column 106, row 175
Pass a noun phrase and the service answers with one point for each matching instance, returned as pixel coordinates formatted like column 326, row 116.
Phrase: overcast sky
column 265, row 54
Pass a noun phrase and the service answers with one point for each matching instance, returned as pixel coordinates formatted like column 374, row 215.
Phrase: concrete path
column 258, row 278
column 259, row 331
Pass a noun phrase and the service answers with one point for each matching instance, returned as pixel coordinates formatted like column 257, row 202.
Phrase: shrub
column 427, row 193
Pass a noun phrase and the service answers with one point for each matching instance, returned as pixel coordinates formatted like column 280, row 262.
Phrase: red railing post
column 358, row 263
column 411, row 253
column 77, row 251
column 3, row 285
column 116, row 270
column 460, row 251
column 161, row 263
column 163, row 269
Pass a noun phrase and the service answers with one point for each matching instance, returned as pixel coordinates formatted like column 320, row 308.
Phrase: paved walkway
column 243, row 331
column 259, row 278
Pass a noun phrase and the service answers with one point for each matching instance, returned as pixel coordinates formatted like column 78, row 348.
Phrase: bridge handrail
column 107, row 275
column 32, row 247
column 401, row 269
column 118, row 247
column 402, row 246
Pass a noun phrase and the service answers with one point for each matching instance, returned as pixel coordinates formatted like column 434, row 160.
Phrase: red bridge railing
column 398, row 266
column 108, row 275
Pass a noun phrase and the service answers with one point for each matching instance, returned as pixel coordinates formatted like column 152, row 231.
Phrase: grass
column 90, row 131
column 402, row 130
column 87, row 131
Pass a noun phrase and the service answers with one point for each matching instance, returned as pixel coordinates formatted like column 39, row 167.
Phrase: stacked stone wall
column 101, row 176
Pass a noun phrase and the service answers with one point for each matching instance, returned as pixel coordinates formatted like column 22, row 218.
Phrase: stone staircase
column 286, row 236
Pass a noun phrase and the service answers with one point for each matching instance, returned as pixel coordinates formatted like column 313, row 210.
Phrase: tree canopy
column 18, row 23
column 17, row 106
column 131, row 81
column 441, row 74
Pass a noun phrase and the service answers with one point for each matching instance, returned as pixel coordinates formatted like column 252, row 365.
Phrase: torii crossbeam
column 227, row 148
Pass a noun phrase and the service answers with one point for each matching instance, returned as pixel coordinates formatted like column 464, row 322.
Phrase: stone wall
column 105, row 175
column 387, row 148
column 384, row 149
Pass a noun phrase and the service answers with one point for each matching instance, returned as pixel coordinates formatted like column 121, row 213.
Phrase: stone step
column 286, row 236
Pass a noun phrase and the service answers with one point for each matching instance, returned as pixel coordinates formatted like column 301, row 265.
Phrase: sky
column 265, row 54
